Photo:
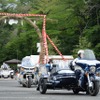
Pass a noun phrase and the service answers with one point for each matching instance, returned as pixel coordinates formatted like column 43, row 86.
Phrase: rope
column 55, row 47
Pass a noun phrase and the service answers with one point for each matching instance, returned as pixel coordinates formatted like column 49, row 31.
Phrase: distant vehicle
column 6, row 71
column 27, row 73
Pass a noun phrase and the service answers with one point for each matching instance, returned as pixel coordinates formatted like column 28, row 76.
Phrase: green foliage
column 71, row 24
column 97, row 50
column 83, row 44
column 93, row 34
column 21, row 46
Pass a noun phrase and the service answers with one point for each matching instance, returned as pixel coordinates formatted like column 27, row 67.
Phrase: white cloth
column 74, row 61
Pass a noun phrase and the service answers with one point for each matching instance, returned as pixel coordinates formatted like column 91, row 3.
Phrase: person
column 4, row 66
column 49, row 65
column 80, row 57
column 48, row 68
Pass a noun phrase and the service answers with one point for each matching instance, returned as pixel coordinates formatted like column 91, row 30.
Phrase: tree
column 83, row 44
column 69, row 23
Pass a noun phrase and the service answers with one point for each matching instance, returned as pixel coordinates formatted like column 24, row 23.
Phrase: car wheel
column 12, row 77
column 43, row 86
column 76, row 91
column 24, row 85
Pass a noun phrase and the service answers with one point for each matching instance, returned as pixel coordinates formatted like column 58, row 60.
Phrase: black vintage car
column 82, row 77
column 60, row 77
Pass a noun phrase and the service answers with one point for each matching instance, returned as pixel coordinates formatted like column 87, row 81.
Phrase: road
column 11, row 90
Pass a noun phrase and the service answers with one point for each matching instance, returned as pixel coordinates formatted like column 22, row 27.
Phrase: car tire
column 12, row 77
column 23, row 85
column 43, row 86
column 76, row 91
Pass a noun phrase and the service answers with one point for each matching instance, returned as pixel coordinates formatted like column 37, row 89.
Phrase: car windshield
column 89, row 55
column 62, row 65
column 26, row 62
column 5, row 66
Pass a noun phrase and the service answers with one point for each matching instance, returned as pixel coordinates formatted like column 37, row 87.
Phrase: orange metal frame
column 43, row 31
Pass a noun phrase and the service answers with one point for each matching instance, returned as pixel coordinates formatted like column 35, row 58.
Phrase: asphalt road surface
column 11, row 90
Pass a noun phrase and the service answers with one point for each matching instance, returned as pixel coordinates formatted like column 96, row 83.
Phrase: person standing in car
column 49, row 65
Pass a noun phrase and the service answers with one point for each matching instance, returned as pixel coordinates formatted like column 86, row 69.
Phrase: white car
column 6, row 72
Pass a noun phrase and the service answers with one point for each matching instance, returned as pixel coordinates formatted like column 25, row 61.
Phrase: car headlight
column 92, row 69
